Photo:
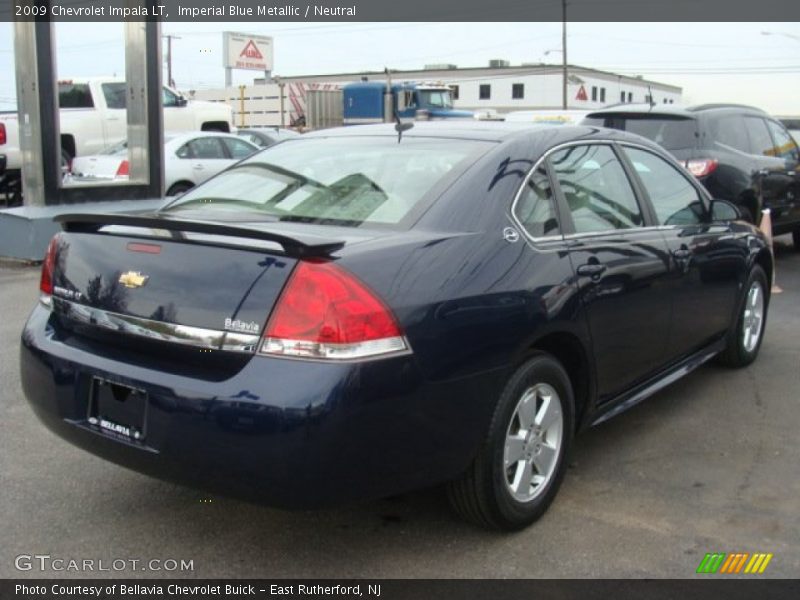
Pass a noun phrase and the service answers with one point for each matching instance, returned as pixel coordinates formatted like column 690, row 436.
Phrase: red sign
column 251, row 51
column 581, row 95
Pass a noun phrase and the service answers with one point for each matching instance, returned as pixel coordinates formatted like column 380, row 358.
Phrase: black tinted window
column 730, row 131
column 74, row 95
column 535, row 208
column 760, row 140
column 598, row 193
column 672, row 134
column 674, row 199
column 785, row 146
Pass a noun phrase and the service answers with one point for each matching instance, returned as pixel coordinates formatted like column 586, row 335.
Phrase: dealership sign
column 243, row 51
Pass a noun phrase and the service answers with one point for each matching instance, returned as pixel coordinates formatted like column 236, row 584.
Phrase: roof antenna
column 400, row 127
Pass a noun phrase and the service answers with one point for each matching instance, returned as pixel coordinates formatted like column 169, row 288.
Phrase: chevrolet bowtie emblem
column 133, row 279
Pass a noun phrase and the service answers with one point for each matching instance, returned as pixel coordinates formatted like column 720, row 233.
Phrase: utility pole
column 564, row 54
column 170, row 37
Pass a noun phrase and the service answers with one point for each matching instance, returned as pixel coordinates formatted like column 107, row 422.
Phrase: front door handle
column 682, row 253
column 591, row 270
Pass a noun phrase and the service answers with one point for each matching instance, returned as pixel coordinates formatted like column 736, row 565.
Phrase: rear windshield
column 672, row 133
column 340, row 180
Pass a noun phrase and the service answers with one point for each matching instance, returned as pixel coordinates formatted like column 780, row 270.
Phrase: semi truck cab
column 377, row 102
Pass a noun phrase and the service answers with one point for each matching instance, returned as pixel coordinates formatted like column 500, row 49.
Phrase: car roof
column 180, row 138
column 539, row 138
column 676, row 110
column 493, row 131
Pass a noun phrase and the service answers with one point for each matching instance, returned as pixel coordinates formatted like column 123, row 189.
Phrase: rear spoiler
column 293, row 245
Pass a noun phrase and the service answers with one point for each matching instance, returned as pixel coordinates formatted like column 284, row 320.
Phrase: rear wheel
column 179, row 188
column 519, row 468
column 744, row 340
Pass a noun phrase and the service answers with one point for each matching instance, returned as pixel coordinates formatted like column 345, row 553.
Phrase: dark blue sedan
column 360, row 312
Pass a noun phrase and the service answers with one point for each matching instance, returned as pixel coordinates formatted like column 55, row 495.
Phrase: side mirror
column 723, row 210
column 181, row 101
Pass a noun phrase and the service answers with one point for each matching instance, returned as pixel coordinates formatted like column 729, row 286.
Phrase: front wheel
column 519, row 468
column 744, row 340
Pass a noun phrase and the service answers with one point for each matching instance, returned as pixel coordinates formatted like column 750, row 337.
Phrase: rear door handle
column 198, row 167
column 682, row 253
column 591, row 270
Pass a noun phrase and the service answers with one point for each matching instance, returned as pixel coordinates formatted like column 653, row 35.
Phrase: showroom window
column 518, row 91
column 594, row 93
column 602, row 94
column 485, row 91
column 596, row 189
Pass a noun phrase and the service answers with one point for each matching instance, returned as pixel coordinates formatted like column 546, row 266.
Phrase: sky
column 712, row 62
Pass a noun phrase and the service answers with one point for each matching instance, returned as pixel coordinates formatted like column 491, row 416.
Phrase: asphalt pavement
column 711, row 464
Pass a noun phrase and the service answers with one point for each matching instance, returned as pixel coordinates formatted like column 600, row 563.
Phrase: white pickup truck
column 92, row 117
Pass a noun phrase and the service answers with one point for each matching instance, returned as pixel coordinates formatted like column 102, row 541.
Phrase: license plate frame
column 118, row 410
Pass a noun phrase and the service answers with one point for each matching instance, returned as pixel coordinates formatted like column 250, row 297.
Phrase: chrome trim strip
column 196, row 337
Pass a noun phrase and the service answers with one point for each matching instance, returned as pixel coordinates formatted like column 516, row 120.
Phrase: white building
column 498, row 88
column 504, row 88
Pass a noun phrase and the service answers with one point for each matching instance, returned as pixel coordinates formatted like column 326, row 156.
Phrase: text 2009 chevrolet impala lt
column 353, row 314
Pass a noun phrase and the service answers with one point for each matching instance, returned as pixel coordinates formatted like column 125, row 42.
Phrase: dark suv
column 739, row 153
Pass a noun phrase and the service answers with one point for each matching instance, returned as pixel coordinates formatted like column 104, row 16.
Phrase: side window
column 184, row 151
column 730, row 131
column 674, row 198
column 168, row 98
column 238, row 148
column 596, row 189
column 535, row 208
column 254, row 139
column 114, row 93
column 785, row 146
column 760, row 140
column 207, row 148
column 75, row 95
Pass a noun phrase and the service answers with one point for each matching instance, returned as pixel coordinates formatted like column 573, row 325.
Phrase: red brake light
column 3, row 138
column 325, row 312
column 702, row 167
column 122, row 171
column 46, row 281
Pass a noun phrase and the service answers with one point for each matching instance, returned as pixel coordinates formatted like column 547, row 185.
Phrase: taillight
column 122, row 171
column 3, row 138
column 702, row 166
column 46, row 280
column 325, row 312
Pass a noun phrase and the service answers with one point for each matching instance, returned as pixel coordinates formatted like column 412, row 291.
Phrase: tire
column 179, row 188
column 486, row 493
column 796, row 239
column 742, row 349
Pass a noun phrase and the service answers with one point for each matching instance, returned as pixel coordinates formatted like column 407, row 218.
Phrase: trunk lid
column 153, row 276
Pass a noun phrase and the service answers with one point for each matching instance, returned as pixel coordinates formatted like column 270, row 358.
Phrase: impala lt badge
column 133, row 279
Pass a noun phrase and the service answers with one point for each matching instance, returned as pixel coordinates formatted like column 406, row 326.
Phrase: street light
column 791, row 36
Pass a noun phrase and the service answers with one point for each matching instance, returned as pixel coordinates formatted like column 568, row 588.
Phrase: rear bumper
column 290, row 433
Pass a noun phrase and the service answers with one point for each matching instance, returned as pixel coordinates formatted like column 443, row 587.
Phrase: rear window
column 74, row 95
column 672, row 133
column 345, row 181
